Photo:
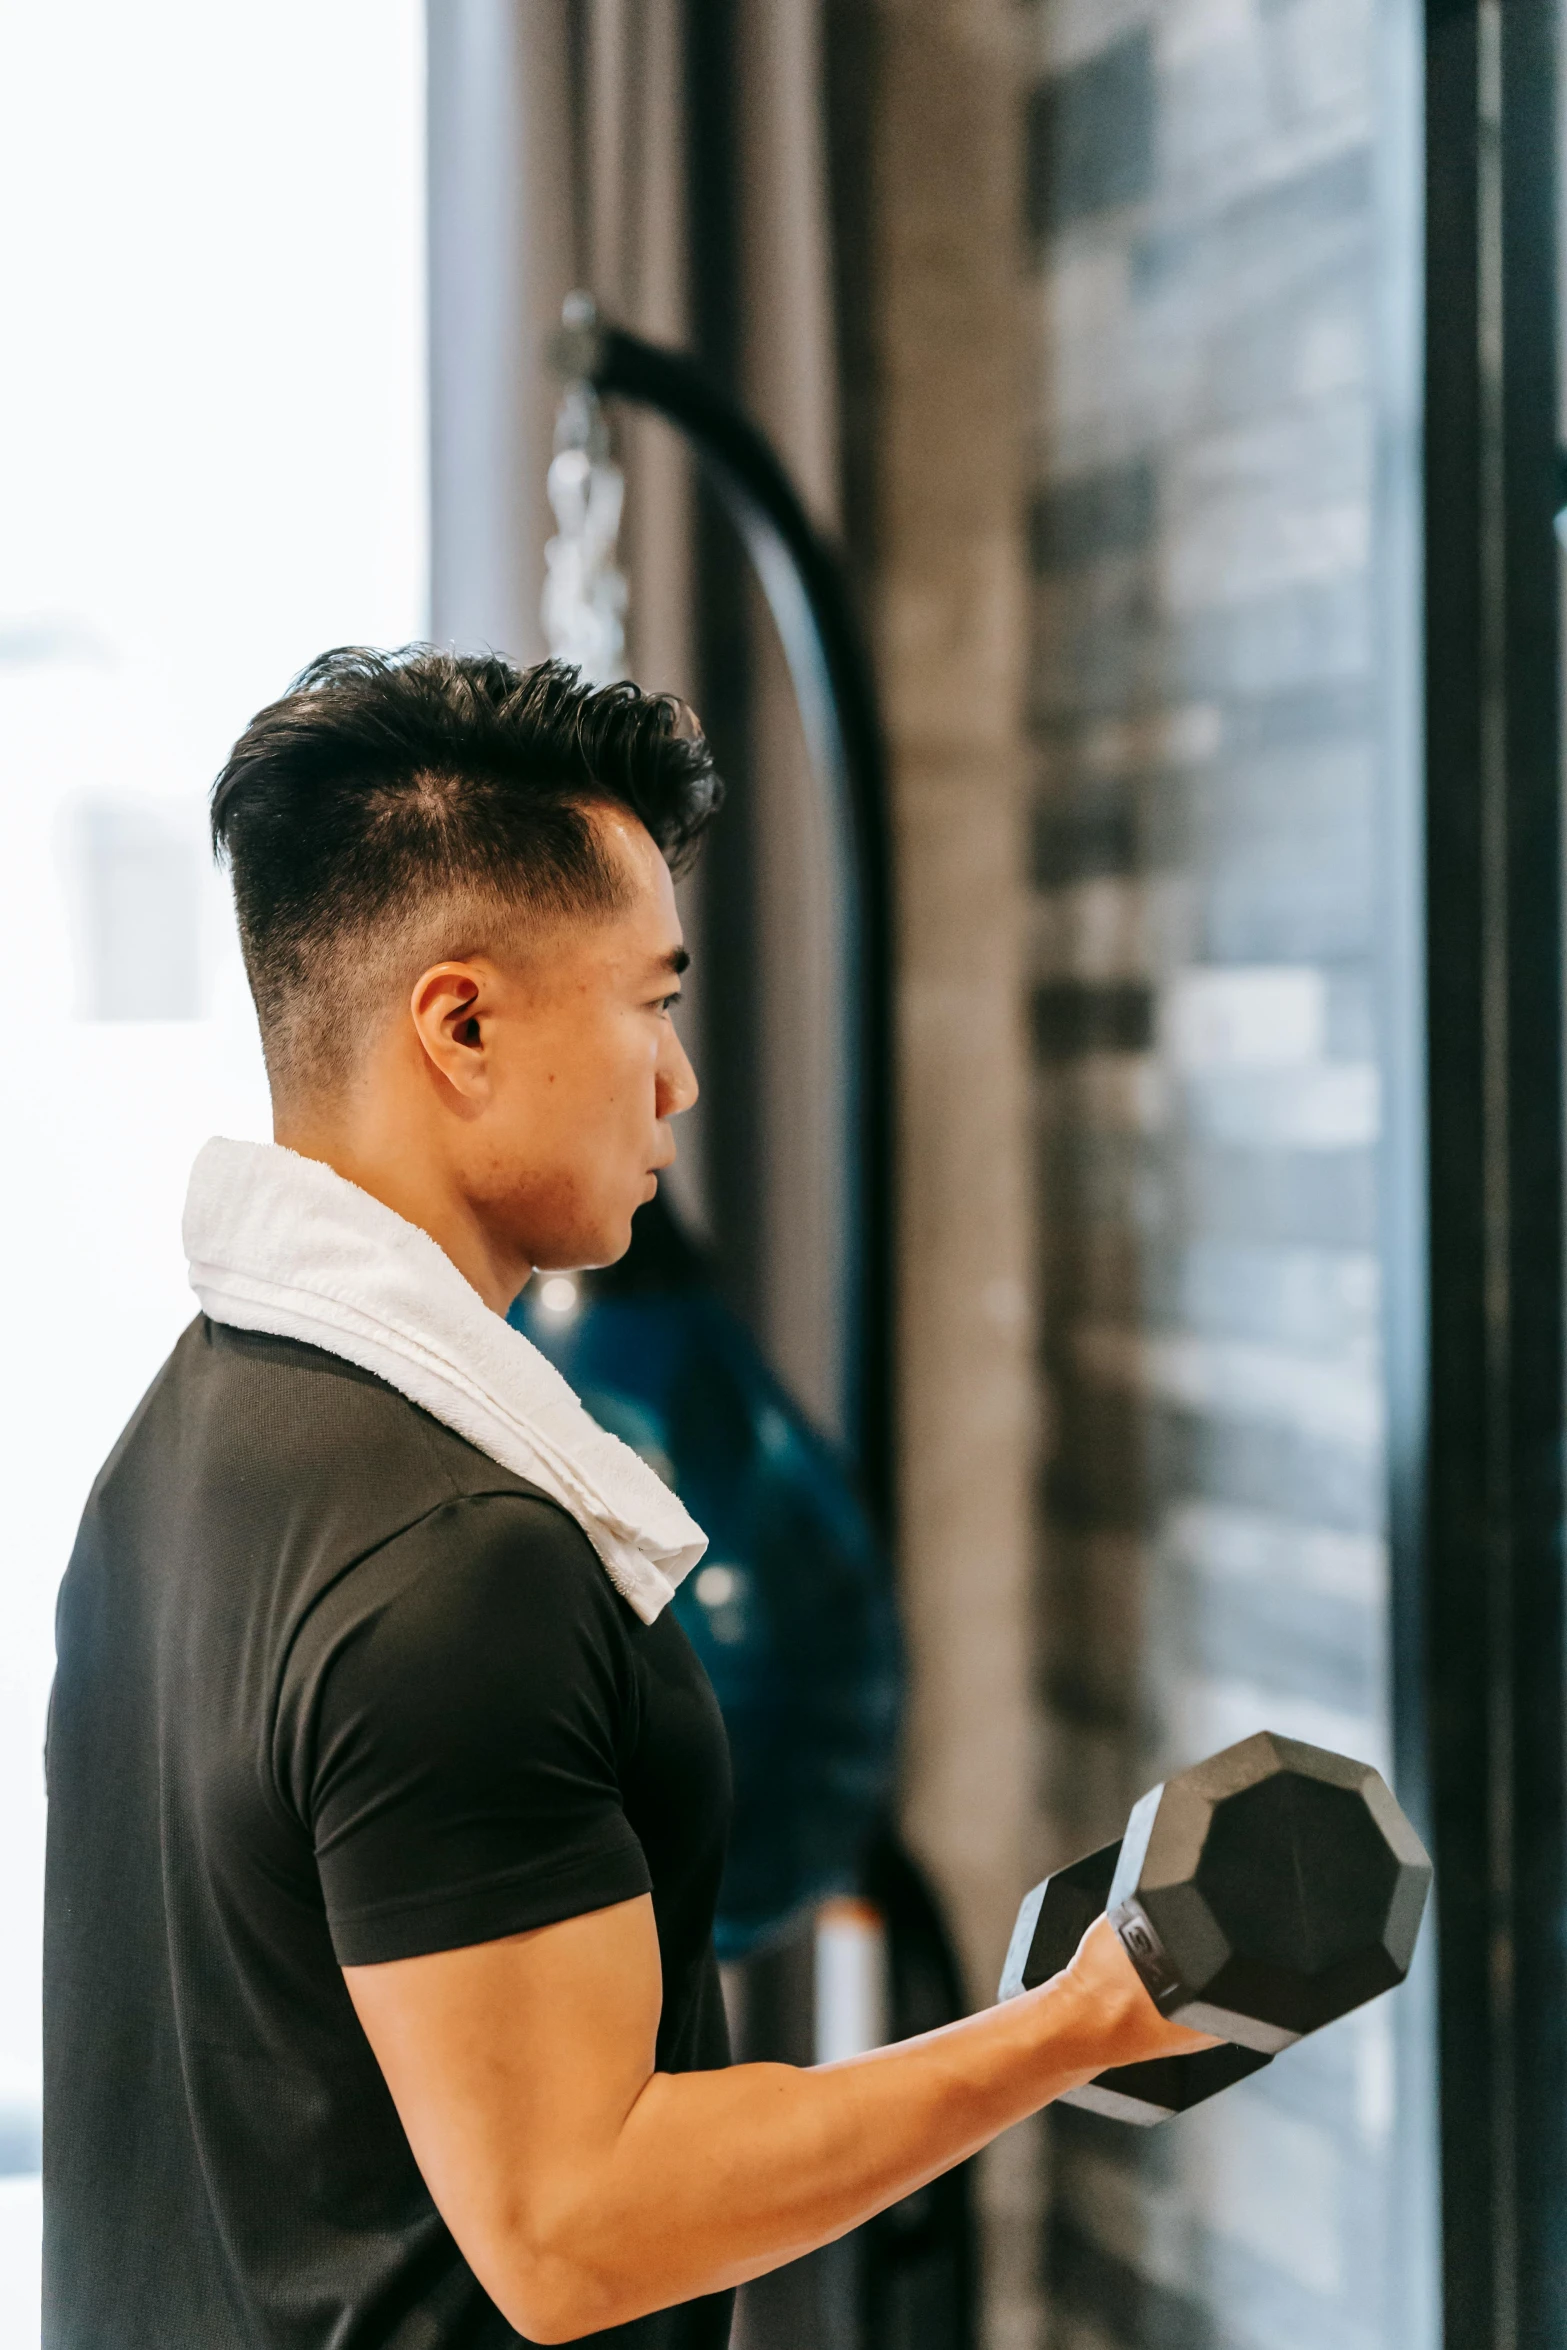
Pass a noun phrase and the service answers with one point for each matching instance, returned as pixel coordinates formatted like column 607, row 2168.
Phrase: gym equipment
column 802, row 1645
column 1260, row 1895
column 792, row 1610
column 806, row 584
column 1051, row 1923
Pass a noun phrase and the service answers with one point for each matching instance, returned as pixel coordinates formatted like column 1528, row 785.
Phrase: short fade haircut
column 397, row 809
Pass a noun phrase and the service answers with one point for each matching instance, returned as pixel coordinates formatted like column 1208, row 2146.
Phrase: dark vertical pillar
column 853, row 62
column 781, row 2311
column 1534, row 1091
column 1494, row 1619
column 1459, row 1569
column 723, row 606
column 1414, row 2284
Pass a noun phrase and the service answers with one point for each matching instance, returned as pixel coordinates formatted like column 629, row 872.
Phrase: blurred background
column 1110, row 1299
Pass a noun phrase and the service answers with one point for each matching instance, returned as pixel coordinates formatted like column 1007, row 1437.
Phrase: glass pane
column 1222, row 201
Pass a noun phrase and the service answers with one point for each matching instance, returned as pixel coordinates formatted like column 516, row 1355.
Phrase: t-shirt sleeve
column 451, row 1729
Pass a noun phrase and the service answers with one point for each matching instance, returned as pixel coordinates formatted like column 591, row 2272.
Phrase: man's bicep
column 513, row 2065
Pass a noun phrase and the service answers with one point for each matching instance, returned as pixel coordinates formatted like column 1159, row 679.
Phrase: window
column 212, row 460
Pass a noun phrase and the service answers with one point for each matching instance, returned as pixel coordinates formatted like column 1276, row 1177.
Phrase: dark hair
column 389, row 790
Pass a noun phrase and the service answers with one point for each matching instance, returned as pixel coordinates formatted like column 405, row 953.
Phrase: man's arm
column 585, row 2189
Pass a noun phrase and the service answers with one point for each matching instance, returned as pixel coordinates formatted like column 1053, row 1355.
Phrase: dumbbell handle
column 1138, row 2093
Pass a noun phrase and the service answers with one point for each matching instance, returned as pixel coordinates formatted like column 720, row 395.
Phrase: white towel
column 282, row 1244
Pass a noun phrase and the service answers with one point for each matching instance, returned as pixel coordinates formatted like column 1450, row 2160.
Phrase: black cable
column 806, row 583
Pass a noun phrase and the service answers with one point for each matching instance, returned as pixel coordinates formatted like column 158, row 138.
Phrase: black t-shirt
column 333, row 1688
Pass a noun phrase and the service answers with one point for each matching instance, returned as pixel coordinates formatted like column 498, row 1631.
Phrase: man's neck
column 415, row 1189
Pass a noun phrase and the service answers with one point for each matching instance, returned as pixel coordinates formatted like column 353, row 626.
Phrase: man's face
column 587, row 1070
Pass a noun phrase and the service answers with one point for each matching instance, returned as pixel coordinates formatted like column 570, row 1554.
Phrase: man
column 387, row 1800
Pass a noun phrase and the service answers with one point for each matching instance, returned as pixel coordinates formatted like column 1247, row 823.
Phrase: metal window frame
column 1482, row 1645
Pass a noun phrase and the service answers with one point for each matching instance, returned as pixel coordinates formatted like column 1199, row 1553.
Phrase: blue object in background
column 791, row 1610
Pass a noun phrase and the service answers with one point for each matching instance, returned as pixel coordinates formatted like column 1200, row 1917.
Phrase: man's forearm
column 585, row 2187
column 719, row 2176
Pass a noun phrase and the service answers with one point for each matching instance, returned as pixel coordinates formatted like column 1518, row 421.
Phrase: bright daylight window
column 212, row 460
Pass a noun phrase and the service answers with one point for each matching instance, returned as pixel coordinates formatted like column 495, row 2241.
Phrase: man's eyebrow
column 676, row 961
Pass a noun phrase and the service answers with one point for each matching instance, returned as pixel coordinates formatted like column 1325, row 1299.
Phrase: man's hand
column 585, row 2189
column 1133, row 2030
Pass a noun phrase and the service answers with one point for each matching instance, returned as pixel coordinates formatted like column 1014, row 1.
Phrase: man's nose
column 677, row 1085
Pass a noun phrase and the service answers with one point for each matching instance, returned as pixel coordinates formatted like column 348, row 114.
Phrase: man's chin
column 605, row 1247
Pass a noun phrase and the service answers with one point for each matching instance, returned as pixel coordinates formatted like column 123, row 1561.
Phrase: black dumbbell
column 1260, row 1895
column 1051, row 1923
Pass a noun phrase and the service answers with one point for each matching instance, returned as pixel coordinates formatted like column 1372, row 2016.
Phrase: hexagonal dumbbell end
column 1051, row 1923
column 1268, row 1891
column 1053, row 1920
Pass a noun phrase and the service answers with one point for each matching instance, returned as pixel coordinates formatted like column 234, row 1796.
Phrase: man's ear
column 452, row 1007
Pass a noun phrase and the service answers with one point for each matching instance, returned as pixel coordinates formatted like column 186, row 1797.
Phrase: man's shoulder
column 302, row 1407
column 367, row 1464
column 262, row 1445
